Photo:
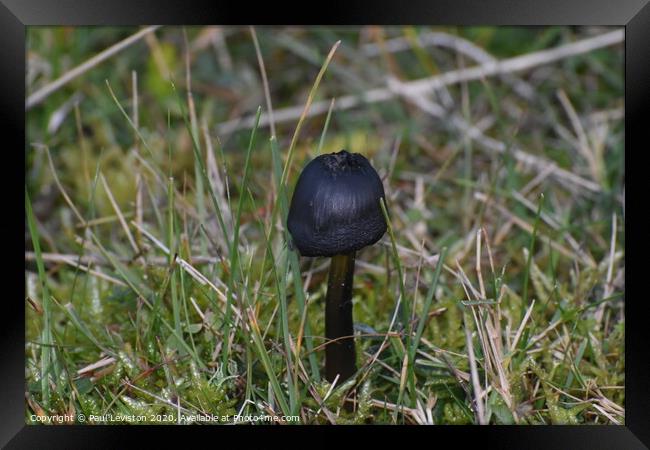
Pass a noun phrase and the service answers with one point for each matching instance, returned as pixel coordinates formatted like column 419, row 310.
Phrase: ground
column 161, row 284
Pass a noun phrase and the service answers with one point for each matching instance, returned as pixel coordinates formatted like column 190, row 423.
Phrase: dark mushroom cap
column 335, row 206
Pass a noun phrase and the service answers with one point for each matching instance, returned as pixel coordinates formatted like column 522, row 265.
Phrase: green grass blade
column 427, row 304
column 325, row 127
column 235, row 266
column 268, row 367
column 46, row 332
column 405, row 314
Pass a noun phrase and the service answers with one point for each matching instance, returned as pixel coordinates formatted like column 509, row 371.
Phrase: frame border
column 634, row 15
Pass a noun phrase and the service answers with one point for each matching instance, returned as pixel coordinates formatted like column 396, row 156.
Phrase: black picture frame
column 634, row 15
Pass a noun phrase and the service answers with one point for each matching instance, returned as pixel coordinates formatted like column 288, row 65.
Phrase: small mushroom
column 335, row 212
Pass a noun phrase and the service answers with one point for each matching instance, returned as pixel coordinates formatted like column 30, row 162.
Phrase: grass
column 161, row 281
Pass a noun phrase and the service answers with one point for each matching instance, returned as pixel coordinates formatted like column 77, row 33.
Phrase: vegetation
column 160, row 278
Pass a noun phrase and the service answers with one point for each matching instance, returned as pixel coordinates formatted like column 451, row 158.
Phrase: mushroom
column 335, row 212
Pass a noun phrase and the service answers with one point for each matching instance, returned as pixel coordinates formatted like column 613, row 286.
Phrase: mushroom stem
column 340, row 355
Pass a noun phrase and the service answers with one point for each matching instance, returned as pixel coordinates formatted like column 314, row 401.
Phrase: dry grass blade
column 456, row 43
column 487, row 321
column 265, row 81
column 106, row 361
column 191, row 271
column 583, row 147
column 516, row 64
column 529, row 228
column 515, row 341
column 305, row 112
column 119, row 214
column 411, row 412
column 476, row 384
column 73, row 261
column 47, row 90
column 529, row 160
column 98, row 260
column 59, row 185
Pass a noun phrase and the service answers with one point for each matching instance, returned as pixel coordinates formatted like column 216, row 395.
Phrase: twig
column 496, row 67
column 457, row 43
